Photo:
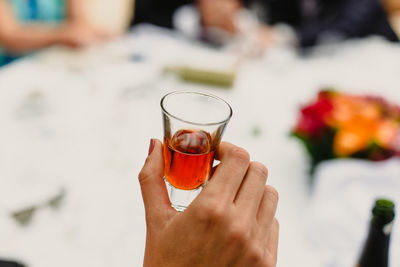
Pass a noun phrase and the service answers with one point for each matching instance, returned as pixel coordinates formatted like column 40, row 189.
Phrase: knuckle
column 269, row 260
column 144, row 175
column 238, row 233
column 256, row 254
column 276, row 224
column 272, row 194
column 240, row 154
column 259, row 169
column 211, row 211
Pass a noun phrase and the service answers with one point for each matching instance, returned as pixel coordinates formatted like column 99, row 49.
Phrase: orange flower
column 356, row 136
column 356, row 120
column 348, row 108
column 386, row 133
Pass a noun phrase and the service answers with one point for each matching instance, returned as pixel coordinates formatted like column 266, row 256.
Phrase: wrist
column 61, row 34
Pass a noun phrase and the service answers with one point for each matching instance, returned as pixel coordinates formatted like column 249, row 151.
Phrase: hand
column 264, row 38
column 230, row 223
column 219, row 14
column 267, row 36
column 77, row 35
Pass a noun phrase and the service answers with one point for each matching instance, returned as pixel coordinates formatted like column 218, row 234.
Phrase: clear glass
column 193, row 127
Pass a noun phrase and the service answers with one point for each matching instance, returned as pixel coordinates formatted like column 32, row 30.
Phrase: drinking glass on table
column 193, row 127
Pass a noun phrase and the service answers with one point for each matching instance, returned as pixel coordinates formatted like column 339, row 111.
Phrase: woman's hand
column 231, row 223
column 219, row 14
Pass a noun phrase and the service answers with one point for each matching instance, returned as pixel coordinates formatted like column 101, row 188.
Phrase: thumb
column 154, row 192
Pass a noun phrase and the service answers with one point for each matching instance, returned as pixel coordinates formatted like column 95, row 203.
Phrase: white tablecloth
column 340, row 211
column 83, row 121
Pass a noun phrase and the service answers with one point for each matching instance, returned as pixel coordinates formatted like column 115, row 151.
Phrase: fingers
column 230, row 173
column 271, row 252
column 212, row 171
column 252, row 188
column 267, row 209
column 154, row 192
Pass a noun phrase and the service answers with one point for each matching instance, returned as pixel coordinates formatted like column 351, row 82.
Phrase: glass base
column 181, row 199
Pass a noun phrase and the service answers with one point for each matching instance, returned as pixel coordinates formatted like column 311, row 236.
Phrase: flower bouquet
column 339, row 125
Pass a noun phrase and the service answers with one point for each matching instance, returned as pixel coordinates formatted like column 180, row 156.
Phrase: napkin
column 340, row 208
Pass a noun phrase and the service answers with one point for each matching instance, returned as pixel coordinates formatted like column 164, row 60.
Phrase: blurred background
column 314, row 86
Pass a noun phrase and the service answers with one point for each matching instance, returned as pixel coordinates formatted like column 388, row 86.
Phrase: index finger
column 228, row 176
column 154, row 192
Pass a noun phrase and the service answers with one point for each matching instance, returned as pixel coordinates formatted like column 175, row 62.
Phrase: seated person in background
column 393, row 9
column 26, row 26
column 231, row 223
column 112, row 18
column 157, row 12
column 314, row 21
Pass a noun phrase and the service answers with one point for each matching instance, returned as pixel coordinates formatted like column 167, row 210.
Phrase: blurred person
column 393, row 6
column 157, row 12
column 231, row 223
column 26, row 26
column 112, row 18
column 314, row 21
column 393, row 9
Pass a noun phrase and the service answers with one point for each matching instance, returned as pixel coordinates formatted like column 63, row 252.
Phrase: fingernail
column 151, row 147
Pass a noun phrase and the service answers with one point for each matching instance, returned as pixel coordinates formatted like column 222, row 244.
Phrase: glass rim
column 201, row 94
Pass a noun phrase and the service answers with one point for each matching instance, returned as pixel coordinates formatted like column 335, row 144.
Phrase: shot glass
column 193, row 127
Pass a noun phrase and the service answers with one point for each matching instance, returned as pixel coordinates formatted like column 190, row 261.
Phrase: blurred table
column 83, row 121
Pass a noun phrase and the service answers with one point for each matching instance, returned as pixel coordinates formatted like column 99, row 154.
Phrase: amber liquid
column 188, row 159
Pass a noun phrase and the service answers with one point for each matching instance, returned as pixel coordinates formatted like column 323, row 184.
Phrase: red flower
column 312, row 122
